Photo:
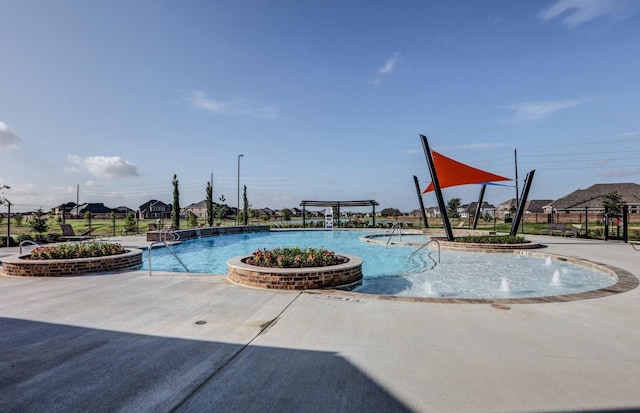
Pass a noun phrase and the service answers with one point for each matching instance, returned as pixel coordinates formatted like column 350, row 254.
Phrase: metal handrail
column 163, row 240
column 425, row 245
column 28, row 241
column 393, row 230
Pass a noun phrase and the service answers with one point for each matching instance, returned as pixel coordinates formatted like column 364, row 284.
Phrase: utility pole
column 515, row 155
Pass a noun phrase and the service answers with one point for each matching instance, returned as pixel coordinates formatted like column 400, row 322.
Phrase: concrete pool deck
column 130, row 342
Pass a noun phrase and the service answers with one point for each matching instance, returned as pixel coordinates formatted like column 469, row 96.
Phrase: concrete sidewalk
column 130, row 342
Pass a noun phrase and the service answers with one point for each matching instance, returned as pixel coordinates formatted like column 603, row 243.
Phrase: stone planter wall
column 18, row 266
column 341, row 275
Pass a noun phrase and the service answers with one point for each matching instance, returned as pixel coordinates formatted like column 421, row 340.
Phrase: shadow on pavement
column 54, row 368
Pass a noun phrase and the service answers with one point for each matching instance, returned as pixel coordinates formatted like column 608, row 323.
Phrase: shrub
column 24, row 237
column 492, row 239
column 76, row 250
column 294, row 257
column 3, row 241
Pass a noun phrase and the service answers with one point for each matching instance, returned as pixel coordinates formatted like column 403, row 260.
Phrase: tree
column 17, row 219
column 3, row 200
column 39, row 222
column 87, row 218
column 129, row 222
column 175, row 209
column 286, row 214
column 245, row 207
column 452, row 207
column 209, row 203
column 192, row 220
column 221, row 208
column 255, row 215
column 612, row 203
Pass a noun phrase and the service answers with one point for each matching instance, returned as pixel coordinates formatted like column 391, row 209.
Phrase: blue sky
column 325, row 100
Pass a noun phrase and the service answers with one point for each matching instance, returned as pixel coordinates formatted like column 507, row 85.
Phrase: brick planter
column 332, row 276
column 19, row 266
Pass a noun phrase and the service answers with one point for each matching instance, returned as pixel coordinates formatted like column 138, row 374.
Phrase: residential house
column 199, row 209
column 469, row 210
column 266, row 213
column 532, row 206
column 97, row 210
column 121, row 212
column 154, row 209
column 591, row 198
column 67, row 209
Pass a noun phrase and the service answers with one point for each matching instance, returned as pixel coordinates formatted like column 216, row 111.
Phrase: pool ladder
column 163, row 241
column 430, row 252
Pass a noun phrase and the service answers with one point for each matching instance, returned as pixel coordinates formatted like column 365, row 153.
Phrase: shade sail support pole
column 421, row 202
column 523, row 200
column 436, row 188
column 479, row 206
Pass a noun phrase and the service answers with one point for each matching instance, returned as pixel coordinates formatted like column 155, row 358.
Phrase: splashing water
column 555, row 280
column 428, row 288
column 547, row 261
column 504, row 284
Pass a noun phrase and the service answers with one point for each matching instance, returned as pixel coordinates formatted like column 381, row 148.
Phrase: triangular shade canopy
column 453, row 173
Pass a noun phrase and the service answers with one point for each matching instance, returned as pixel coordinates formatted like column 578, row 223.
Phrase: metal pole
column 525, row 193
column 436, row 188
column 8, row 224
column 238, row 198
column 479, row 206
column 420, row 202
column 515, row 155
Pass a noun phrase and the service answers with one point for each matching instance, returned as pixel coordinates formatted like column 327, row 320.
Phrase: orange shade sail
column 454, row 173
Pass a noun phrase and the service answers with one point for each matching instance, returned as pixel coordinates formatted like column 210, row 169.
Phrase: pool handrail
column 426, row 244
column 28, row 241
column 395, row 226
column 163, row 240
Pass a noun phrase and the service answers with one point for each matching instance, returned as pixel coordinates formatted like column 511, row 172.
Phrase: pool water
column 400, row 270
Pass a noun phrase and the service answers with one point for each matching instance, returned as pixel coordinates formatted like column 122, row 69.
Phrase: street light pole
column 238, row 210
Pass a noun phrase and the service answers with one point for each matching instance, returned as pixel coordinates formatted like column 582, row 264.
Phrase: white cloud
column 103, row 166
column 578, row 12
column 199, row 100
column 387, row 68
column 8, row 138
column 389, row 64
column 540, row 110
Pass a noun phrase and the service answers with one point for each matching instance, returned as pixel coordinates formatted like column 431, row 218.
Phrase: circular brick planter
column 19, row 266
column 332, row 276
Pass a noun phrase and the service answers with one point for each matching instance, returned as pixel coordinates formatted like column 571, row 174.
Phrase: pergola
column 337, row 205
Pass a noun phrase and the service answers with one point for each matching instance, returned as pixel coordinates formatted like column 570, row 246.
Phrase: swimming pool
column 389, row 270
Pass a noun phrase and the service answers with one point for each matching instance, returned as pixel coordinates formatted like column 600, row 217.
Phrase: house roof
column 590, row 197
column 96, row 208
column 535, row 205
column 197, row 205
column 473, row 205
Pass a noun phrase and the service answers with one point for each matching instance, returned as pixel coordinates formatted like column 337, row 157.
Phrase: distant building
column 532, row 206
column 592, row 198
column 67, row 209
column 154, row 209
column 199, row 209
column 97, row 210
column 469, row 210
